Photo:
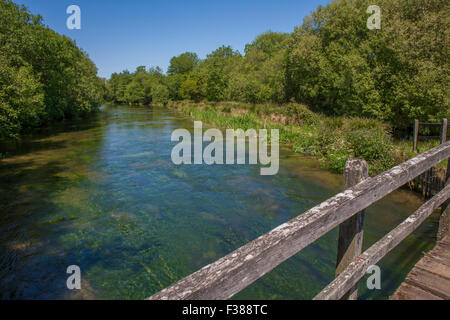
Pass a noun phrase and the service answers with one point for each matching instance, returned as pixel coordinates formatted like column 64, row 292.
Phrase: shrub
column 305, row 143
column 371, row 145
column 300, row 114
column 333, row 123
column 355, row 123
column 336, row 160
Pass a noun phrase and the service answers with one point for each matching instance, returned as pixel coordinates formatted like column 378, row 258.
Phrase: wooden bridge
column 229, row 275
column 430, row 278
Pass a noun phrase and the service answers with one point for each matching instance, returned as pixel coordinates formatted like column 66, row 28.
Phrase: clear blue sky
column 124, row 34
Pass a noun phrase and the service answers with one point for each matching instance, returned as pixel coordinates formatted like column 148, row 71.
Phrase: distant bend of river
column 104, row 194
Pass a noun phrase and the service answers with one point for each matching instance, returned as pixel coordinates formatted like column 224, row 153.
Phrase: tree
column 21, row 98
column 332, row 62
column 338, row 66
column 160, row 94
column 44, row 75
column 183, row 64
column 268, row 44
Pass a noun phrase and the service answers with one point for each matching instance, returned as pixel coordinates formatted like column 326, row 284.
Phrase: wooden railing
column 234, row 272
column 443, row 133
column 431, row 181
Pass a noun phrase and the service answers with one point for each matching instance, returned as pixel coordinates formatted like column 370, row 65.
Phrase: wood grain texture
column 444, row 130
column 408, row 292
column 358, row 268
column 351, row 231
column 430, row 278
column 234, row 272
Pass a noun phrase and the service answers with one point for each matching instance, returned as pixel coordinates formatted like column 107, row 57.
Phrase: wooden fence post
column 416, row 135
column 444, row 221
column 444, row 131
column 351, row 231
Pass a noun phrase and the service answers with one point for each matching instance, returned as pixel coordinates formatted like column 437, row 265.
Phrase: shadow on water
column 31, row 263
column 103, row 194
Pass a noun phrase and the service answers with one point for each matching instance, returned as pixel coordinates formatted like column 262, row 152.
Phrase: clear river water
column 104, row 194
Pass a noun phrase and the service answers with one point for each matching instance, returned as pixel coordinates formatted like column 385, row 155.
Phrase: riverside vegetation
column 332, row 63
column 44, row 76
column 331, row 139
column 95, row 192
column 334, row 88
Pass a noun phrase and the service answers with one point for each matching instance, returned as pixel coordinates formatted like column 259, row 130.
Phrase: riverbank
column 330, row 139
column 103, row 193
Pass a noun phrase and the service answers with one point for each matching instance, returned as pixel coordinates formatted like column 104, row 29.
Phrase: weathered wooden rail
column 443, row 133
column 234, row 272
column 432, row 181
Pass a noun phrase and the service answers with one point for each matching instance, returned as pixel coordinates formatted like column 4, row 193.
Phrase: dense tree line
column 43, row 76
column 332, row 62
column 336, row 65
column 140, row 87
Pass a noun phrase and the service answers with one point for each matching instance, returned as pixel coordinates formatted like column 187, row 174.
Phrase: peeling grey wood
column 444, row 220
column 416, row 135
column 444, row 130
column 436, row 285
column 430, row 278
column 234, row 272
column 409, row 292
column 351, row 231
column 358, row 268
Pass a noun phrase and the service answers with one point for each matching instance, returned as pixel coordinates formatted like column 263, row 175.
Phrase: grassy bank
column 333, row 140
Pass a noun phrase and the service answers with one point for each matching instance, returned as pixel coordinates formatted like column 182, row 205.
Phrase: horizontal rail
column 443, row 134
column 358, row 268
column 427, row 124
column 427, row 138
column 234, row 272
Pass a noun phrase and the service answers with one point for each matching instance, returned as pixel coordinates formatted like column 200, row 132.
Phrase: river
column 104, row 194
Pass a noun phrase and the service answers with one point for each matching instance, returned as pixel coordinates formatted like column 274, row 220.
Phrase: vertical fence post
column 444, row 221
column 416, row 135
column 444, row 131
column 351, row 231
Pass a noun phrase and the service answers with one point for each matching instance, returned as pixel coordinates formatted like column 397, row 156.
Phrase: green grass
column 333, row 140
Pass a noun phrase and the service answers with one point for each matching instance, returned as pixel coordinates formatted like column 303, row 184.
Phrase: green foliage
column 369, row 144
column 336, row 159
column 300, row 114
column 216, row 85
column 182, row 64
column 160, row 94
column 44, row 76
column 333, row 140
column 21, row 98
column 194, row 86
column 332, row 63
column 141, row 87
column 338, row 66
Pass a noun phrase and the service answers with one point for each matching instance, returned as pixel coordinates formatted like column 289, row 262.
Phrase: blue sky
column 124, row 34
